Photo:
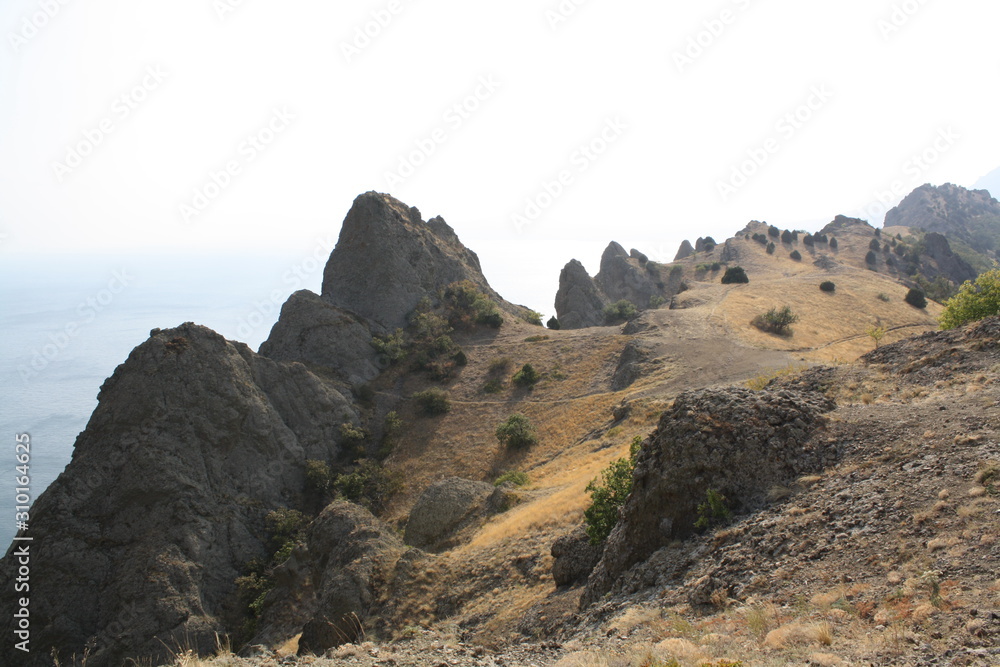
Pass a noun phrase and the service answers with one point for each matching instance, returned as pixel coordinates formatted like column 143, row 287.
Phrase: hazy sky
column 539, row 130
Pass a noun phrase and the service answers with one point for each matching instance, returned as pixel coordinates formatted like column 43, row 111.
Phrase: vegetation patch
column 432, row 401
column 608, row 495
column 516, row 432
column 620, row 311
column 975, row 300
column 828, row 286
column 777, row 321
column 734, row 275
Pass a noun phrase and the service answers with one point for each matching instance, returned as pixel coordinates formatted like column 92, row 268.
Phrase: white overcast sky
column 887, row 80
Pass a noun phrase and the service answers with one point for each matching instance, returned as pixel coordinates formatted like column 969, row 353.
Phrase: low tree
column 916, row 298
column 975, row 300
column 876, row 333
column 828, row 286
column 776, row 320
column 608, row 495
column 516, row 432
column 553, row 324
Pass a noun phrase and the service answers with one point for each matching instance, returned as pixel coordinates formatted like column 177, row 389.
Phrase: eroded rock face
column 443, row 508
column 139, row 541
column 579, row 303
column 313, row 331
column 387, row 259
column 330, row 585
column 574, row 557
column 622, row 277
column 735, row 441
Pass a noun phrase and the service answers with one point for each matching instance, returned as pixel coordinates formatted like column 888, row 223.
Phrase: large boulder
column 443, row 509
column 579, row 302
column 387, row 259
column 330, row 585
column 139, row 541
column 737, row 442
column 624, row 277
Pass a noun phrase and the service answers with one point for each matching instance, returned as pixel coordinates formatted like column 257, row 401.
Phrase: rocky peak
column 387, row 259
column 972, row 216
column 579, row 303
column 685, row 251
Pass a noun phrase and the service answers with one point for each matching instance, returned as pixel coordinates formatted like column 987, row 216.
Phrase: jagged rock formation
column 140, row 540
column 971, row 216
column 628, row 276
column 195, row 439
column 579, row 303
column 330, row 585
column 735, row 441
column 946, row 262
column 387, row 259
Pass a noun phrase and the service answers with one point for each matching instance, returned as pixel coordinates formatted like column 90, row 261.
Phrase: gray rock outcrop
column 331, row 584
column 579, row 303
column 737, row 442
column 387, row 259
column 139, row 542
column 623, row 277
column 685, row 251
column 574, row 557
column 313, row 331
column 443, row 509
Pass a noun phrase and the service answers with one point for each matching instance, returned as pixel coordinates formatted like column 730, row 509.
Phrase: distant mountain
column 970, row 219
column 991, row 182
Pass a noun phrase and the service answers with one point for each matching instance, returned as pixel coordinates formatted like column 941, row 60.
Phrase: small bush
column 975, row 300
column 468, row 306
column 433, row 401
column 834, row 244
column 735, row 274
column 828, row 286
column 608, row 495
column 516, row 432
column 713, row 511
column 770, row 248
column 871, row 259
column 553, row 324
column 796, row 255
column 773, row 232
column 392, row 348
column 875, row 245
column 882, row 296
column 760, row 238
column 656, row 301
column 493, row 386
column 776, row 320
column 527, row 377
column 916, row 298
column 808, row 240
column 786, row 237
column 620, row 311
column 369, row 485
column 515, row 477
column 533, row 317
column 318, row 480
column 391, row 428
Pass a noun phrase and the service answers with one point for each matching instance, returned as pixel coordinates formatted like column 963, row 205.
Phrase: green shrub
column 875, row 245
column 369, row 485
column 773, row 232
column 760, row 238
column 527, row 377
column 882, row 296
column 871, row 259
column 391, row 428
column 535, row 339
column 352, row 440
column 776, row 320
column 786, row 237
column 656, row 301
column 834, row 244
column 553, row 323
column 515, row 477
column 713, row 512
column 735, row 274
column 975, row 300
column 828, row 286
column 493, row 386
column 433, row 401
column 620, row 311
column 808, row 240
column 318, row 480
column 468, row 306
column 796, row 255
column 770, row 248
column 608, row 495
column 917, row 298
column 533, row 317
column 392, row 348
column 516, row 432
